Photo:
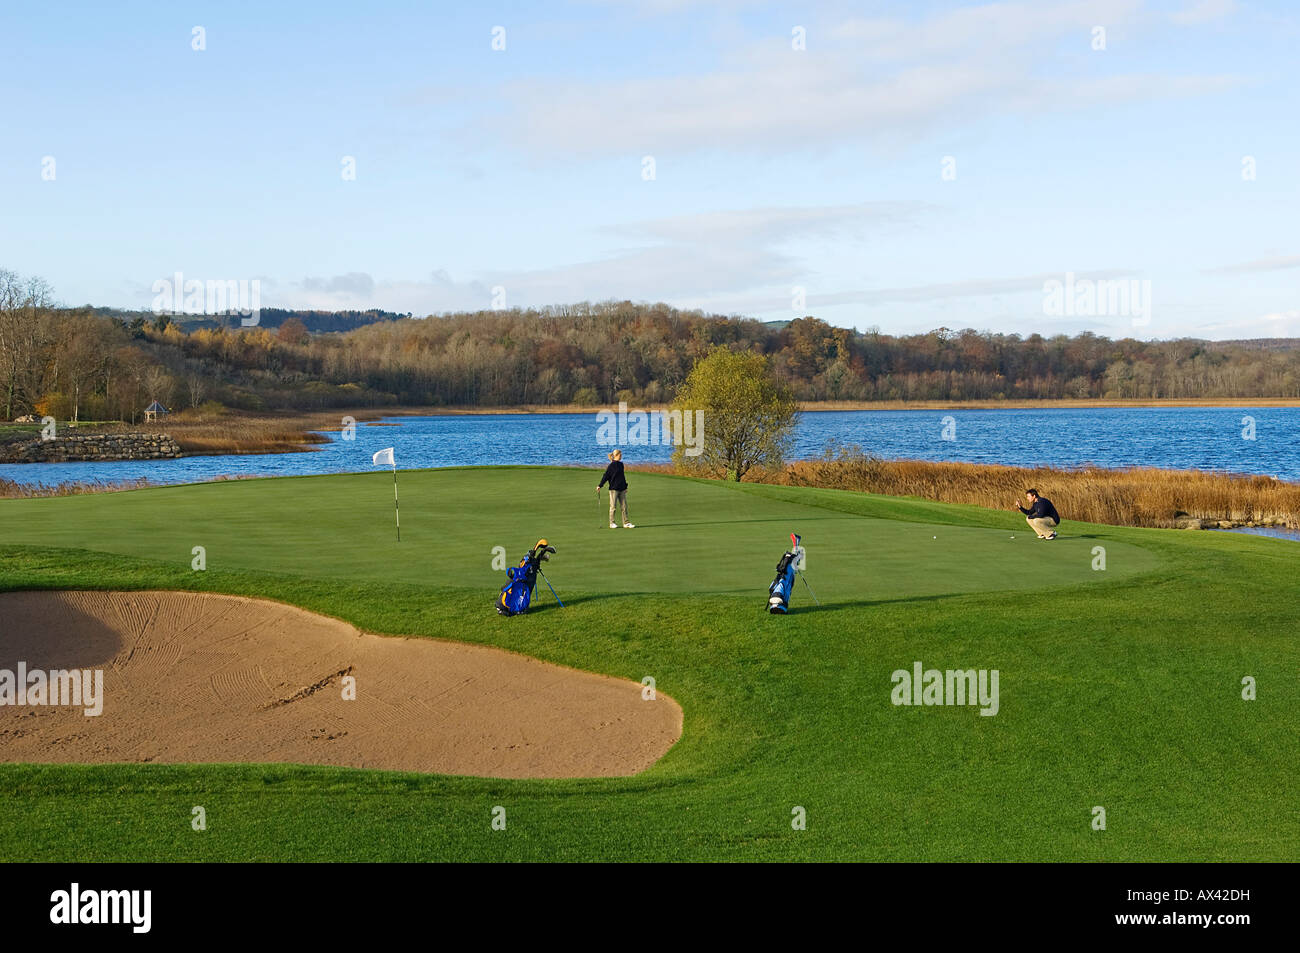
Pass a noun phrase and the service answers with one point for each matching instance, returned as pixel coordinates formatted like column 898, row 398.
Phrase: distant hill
column 317, row 322
column 1257, row 344
column 108, row 364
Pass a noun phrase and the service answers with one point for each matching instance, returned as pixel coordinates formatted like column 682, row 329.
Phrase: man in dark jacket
column 1041, row 514
column 617, row 489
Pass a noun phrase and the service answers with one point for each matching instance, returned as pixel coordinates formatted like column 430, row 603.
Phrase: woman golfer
column 617, row 488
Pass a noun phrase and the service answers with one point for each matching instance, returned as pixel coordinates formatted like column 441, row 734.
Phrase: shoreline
column 251, row 432
column 821, row 406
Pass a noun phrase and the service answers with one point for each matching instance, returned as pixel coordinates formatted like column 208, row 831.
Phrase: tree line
column 83, row 363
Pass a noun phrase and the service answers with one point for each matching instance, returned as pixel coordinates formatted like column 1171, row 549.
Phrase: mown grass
column 1120, row 689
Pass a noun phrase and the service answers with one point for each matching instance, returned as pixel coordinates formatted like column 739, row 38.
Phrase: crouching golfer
column 1041, row 515
column 617, row 489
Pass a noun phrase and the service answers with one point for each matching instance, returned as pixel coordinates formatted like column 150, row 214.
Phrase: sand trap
column 192, row 677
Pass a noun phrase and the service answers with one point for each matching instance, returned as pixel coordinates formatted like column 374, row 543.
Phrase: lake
column 1176, row 438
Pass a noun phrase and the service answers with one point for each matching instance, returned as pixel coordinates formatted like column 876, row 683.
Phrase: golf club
column 550, row 587
column 810, row 589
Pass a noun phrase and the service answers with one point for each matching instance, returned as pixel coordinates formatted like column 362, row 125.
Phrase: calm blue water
column 1178, row 438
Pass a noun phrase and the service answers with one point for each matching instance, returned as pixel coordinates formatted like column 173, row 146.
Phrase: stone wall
column 114, row 446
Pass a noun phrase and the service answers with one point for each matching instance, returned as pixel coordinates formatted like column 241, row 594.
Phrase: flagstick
column 397, row 514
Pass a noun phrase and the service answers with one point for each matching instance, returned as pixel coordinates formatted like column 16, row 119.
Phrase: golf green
column 1149, row 673
column 690, row 536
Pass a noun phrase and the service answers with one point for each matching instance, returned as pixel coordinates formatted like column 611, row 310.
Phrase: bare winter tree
column 158, row 384
column 197, row 388
column 24, row 337
column 81, row 357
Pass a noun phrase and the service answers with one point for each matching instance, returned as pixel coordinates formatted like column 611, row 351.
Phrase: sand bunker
column 192, row 677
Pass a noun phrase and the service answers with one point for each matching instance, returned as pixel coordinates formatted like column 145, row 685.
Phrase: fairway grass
column 1119, row 687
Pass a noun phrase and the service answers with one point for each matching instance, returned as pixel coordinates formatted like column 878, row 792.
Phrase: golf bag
column 778, row 594
column 517, row 594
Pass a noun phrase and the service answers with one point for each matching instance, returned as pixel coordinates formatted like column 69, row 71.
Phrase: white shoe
column 613, row 526
column 629, row 525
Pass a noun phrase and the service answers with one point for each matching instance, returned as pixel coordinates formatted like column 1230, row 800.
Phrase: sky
column 900, row 166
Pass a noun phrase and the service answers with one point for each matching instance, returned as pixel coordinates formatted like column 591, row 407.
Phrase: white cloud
column 1203, row 11
column 878, row 80
column 688, row 260
column 359, row 291
column 973, row 288
column 987, row 30
column 354, row 284
column 1262, row 264
column 772, row 223
column 1275, row 324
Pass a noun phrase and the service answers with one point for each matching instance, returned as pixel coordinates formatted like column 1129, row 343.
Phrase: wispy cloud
column 1261, row 264
column 1203, row 11
column 882, row 80
column 773, row 224
column 355, row 284
column 1275, row 324
column 684, row 259
column 973, row 288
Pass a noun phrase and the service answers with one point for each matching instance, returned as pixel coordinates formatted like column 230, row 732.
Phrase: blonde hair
column 615, row 455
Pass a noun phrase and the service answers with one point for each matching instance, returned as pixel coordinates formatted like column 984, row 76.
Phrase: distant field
column 1118, row 687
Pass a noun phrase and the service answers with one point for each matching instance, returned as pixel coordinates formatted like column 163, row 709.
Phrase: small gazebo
column 153, row 410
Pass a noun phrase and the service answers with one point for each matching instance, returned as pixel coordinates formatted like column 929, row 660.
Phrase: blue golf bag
column 778, row 594
column 517, row 594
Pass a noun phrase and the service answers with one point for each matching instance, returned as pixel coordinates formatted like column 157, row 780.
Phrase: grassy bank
column 1120, row 687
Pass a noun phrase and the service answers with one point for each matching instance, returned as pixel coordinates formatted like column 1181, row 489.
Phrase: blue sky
column 775, row 168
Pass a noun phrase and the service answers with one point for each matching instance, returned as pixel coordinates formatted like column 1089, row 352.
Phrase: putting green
column 690, row 536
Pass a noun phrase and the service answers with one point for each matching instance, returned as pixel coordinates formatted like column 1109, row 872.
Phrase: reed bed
column 209, row 432
column 9, row 490
column 1138, row 496
column 220, row 431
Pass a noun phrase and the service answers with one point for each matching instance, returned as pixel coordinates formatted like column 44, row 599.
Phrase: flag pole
column 397, row 515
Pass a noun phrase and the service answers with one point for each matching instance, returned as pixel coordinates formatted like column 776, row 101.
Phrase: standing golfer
column 617, row 488
column 1041, row 515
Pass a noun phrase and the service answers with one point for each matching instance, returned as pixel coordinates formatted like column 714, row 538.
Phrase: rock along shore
column 81, row 447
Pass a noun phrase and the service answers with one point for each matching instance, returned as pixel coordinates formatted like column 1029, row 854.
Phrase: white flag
column 385, row 458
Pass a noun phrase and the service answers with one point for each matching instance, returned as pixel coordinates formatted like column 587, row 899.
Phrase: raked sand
column 193, row 677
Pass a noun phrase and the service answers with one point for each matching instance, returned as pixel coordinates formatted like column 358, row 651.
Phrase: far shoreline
column 243, row 432
column 824, row 406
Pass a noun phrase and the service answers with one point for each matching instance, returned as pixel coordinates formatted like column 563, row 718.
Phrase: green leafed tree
column 749, row 416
